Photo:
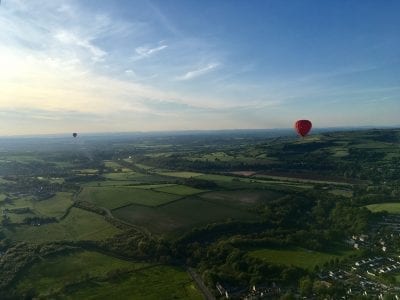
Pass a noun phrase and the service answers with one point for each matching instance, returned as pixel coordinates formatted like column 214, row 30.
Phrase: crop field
column 114, row 197
column 124, row 176
column 154, row 186
column 112, row 164
column 179, row 190
column 78, row 225
column 393, row 208
column 298, row 257
column 241, row 198
column 181, row 174
column 110, row 183
column 181, row 215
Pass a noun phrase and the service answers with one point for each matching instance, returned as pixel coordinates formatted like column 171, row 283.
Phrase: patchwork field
column 298, row 257
column 180, row 215
column 114, row 197
column 78, row 225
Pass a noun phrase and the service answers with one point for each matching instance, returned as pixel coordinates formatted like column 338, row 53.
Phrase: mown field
column 78, row 225
column 115, row 197
column 88, row 275
column 179, row 190
column 299, row 257
column 393, row 208
column 181, row 215
column 241, row 198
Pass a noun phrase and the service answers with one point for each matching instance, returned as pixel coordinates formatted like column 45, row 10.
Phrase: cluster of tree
column 36, row 220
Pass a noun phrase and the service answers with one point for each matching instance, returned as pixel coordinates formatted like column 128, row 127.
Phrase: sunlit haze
column 104, row 66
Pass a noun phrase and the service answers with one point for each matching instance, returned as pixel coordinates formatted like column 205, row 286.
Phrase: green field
column 179, row 190
column 156, row 283
column 78, row 225
column 52, row 273
column 124, row 176
column 181, row 215
column 86, row 275
column 114, row 197
column 241, row 198
column 393, row 208
column 55, row 206
column 298, row 257
column 181, row 174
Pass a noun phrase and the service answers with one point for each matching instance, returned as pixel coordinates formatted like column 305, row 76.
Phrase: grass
column 55, row 206
column 114, row 197
column 123, row 176
column 53, row 273
column 112, row 164
column 298, row 257
column 78, row 225
column 110, row 183
column 389, row 207
column 241, row 198
column 342, row 192
column 181, row 174
column 158, row 283
column 179, row 190
column 180, row 216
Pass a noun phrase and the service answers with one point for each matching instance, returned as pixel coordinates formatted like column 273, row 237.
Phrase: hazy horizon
column 130, row 66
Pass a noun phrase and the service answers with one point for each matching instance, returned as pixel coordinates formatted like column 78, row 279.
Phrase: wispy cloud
column 146, row 51
column 198, row 72
column 70, row 38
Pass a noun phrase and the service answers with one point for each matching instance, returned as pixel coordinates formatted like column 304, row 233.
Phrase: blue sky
column 91, row 66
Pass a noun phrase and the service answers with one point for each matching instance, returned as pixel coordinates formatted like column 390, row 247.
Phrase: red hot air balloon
column 303, row 127
column 74, row 134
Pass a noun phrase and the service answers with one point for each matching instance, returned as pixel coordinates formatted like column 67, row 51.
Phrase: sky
column 128, row 65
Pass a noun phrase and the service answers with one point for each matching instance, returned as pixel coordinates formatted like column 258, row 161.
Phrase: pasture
column 298, row 257
column 115, row 197
column 158, row 282
column 180, row 174
column 393, row 208
column 240, row 198
column 53, row 273
column 181, row 215
column 179, row 190
column 55, row 206
column 78, row 225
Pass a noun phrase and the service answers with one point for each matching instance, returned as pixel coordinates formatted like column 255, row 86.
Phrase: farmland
column 78, row 225
column 92, row 271
column 114, row 197
column 299, row 257
column 181, row 215
column 128, row 217
column 389, row 207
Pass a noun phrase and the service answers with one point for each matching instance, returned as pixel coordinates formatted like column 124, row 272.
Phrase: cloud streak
column 199, row 72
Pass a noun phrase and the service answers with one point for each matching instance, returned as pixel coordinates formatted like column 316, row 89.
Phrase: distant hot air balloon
column 74, row 134
column 303, row 127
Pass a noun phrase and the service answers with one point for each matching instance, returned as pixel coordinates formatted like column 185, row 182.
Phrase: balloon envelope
column 74, row 134
column 303, row 127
